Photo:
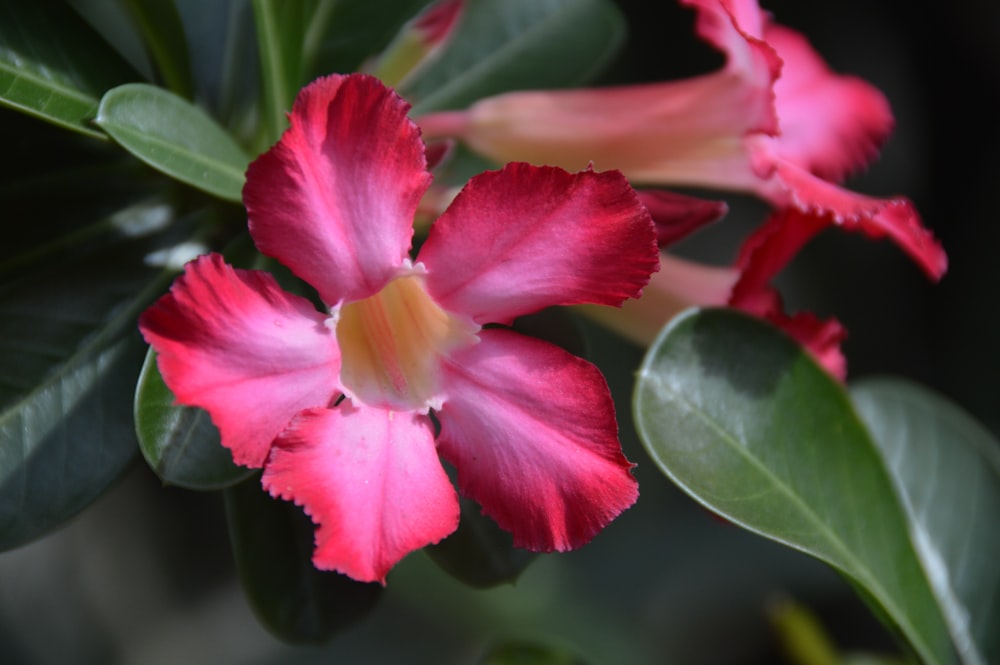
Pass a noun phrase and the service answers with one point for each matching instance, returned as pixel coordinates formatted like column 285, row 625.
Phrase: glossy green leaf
column 273, row 542
column 502, row 45
column 479, row 553
column 69, row 357
column 180, row 443
column 53, row 65
column 163, row 33
column 743, row 420
column 175, row 137
column 946, row 467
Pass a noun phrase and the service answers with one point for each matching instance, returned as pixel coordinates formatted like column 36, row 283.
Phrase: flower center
column 392, row 344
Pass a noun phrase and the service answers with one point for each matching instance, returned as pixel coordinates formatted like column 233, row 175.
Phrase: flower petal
column 334, row 199
column 678, row 215
column 233, row 343
column 678, row 132
column 763, row 255
column 831, row 125
column 768, row 250
column 736, row 27
column 371, row 479
column 531, row 431
column 525, row 237
column 876, row 218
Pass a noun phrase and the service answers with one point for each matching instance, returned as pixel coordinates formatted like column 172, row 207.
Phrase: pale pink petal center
column 393, row 342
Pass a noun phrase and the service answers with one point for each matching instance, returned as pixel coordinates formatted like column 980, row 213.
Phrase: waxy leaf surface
column 180, row 443
column 743, row 420
column 946, row 466
column 69, row 357
column 175, row 137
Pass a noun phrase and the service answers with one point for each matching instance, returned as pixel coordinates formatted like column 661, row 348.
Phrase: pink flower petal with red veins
column 767, row 251
column 678, row 215
column 371, row 479
column 895, row 218
column 737, row 28
column 523, row 238
column 233, row 343
column 763, row 255
column 729, row 25
column 334, row 199
column 531, row 431
column 831, row 125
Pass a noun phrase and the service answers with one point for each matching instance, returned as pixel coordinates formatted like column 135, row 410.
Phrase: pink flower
column 335, row 405
column 774, row 121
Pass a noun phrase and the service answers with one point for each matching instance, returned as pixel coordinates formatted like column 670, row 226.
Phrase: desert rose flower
column 774, row 121
column 336, row 404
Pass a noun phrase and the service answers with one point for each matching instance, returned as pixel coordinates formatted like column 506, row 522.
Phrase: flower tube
column 774, row 121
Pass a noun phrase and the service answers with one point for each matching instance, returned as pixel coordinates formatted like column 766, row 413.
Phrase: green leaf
column 69, row 357
column 743, row 420
column 346, row 32
column 479, row 553
column 180, row 443
column 175, row 137
column 946, row 467
column 272, row 543
column 61, row 225
column 163, row 33
column 281, row 31
column 223, row 47
column 111, row 20
column 53, row 65
column 502, row 45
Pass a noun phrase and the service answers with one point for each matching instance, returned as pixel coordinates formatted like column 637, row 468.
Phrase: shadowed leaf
column 503, row 45
column 946, row 466
column 53, row 65
column 743, row 420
